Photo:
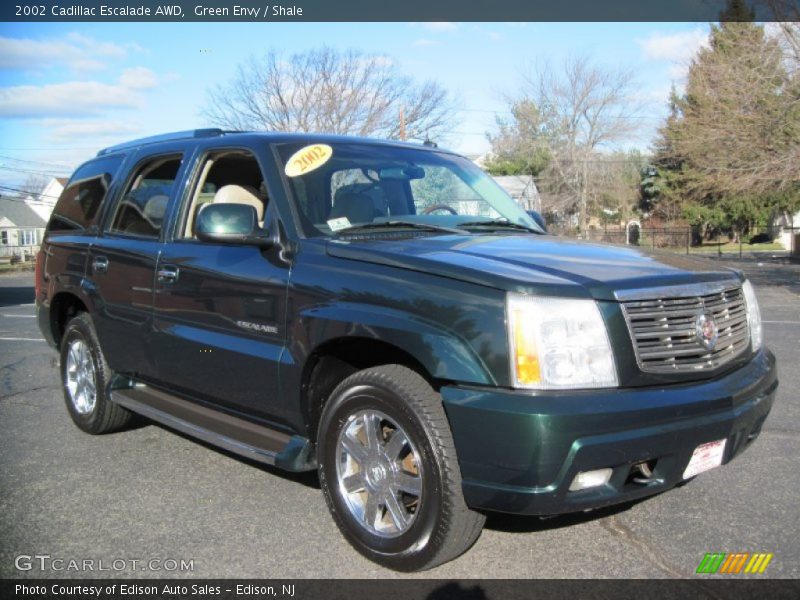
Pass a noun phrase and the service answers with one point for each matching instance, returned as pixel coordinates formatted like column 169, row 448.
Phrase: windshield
column 338, row 186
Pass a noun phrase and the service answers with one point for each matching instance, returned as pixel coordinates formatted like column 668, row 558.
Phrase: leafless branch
column 329, row 91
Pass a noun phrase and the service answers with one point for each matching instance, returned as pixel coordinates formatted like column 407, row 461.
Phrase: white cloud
column 657, row 96
column 66, row 130
column 74, row 51
column 678, row 70
column 138, row 78
column 439, row 26
column 106, row 49
column 72, row 98
column 76, row 98
column 490, row 34
column 678, row 47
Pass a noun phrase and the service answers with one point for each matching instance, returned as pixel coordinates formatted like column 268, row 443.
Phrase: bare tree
column 581, row 110
column 328, row 91
column 34, row 185
column 588, row 109
column 784, row 18
column 790, row 45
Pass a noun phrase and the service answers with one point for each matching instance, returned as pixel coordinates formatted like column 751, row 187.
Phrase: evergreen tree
column 732, row 141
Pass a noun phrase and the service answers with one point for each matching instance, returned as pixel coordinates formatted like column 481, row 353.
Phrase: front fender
column 443, row 353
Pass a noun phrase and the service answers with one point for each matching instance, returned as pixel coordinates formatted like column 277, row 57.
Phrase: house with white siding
column 44, row 201
column 21, row 230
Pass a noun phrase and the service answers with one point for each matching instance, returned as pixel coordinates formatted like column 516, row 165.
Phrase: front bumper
column 519, row 451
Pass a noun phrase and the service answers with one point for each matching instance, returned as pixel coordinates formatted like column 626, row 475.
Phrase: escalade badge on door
column 257, row 327
column 706, row 331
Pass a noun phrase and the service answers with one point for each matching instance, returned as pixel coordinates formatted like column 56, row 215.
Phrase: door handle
column 168, row 274
column 100, row 264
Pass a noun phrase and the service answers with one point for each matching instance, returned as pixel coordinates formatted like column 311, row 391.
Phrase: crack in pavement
column 7, row 372
column 36, row 389
column 11, row 366
column 614, row 526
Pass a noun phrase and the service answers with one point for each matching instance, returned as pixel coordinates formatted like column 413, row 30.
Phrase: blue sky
column 68, row 89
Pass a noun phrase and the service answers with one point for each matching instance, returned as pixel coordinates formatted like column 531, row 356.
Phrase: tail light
column 38, row 274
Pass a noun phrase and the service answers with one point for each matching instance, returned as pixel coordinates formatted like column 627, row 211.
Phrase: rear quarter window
column 78, row 207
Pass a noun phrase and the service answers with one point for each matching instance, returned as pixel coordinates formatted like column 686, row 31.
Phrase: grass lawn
column 726, row 248
column 731, row 247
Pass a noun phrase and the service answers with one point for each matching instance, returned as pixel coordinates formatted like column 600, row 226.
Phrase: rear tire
column 85, row 378
column 389, row 472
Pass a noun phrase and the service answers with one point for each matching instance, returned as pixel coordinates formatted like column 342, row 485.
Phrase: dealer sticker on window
column 705, row 457
column 339, row 224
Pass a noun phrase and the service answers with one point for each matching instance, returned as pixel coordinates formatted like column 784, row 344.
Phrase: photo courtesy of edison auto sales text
column 160, row 590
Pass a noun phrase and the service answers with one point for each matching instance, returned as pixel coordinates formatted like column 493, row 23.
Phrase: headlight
column 558, row 343
column 753, row 316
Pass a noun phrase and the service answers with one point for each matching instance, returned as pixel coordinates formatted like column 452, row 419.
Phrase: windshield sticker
column 307, row 159
column 340, row 223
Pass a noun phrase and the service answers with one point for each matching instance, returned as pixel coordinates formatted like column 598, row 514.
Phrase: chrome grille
column 664, row 329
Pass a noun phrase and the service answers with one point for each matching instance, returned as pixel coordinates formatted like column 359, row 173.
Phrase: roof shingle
column 20, row 214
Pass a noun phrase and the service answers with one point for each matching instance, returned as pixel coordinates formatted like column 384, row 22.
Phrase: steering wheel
column 436, row 207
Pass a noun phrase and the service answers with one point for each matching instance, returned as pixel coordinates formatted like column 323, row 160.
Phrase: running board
column 253, row 441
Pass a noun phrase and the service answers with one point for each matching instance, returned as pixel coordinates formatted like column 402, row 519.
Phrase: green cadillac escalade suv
column 385, row 314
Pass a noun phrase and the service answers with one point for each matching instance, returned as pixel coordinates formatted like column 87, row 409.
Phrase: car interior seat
column 357, row 203
column 154, row 210
column 241, row 194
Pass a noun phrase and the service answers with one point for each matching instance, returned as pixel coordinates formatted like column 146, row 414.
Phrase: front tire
column 389, row 472
column 85, row 379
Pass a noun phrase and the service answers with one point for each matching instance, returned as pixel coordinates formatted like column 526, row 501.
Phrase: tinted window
column 338, row 185
column 79, row 205
column 144, row 203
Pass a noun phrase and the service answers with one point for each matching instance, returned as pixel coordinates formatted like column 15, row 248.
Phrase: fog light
column 590, row 479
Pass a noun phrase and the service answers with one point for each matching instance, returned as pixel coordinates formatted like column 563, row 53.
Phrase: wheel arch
column 347, row 337
column 339, row 338
column 336, row 359
column 63, row 307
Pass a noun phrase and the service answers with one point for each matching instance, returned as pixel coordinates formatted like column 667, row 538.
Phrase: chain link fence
column 646, row 237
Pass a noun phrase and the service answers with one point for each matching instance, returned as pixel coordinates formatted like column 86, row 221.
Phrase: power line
column 32, row 172
column 33, row 148
column 35, row 162
column 29, row 192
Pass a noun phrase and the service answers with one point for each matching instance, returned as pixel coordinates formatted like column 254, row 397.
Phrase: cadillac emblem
column 706, row 331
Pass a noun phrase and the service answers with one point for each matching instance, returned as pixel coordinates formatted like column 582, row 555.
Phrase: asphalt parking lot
column 149, row 493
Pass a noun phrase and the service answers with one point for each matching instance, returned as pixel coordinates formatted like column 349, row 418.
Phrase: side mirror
column 229, row 224
column 538, row 218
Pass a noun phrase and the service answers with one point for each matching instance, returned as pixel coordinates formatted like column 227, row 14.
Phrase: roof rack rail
column 164, row 137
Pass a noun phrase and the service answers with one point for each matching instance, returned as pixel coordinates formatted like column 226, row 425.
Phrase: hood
column 539, row 264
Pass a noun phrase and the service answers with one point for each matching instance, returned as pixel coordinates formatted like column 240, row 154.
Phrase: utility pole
column 402, row 124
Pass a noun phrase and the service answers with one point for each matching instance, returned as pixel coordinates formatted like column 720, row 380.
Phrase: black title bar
column 390, row 10
column 317, row 589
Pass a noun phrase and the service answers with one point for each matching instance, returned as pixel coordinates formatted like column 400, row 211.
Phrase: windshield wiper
column 400, row 225
column 500, row 224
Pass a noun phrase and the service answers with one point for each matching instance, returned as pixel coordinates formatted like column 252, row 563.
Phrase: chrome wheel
column 379, row 473
column 80, row 378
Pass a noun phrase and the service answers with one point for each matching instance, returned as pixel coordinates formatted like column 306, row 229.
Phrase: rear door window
column 78, row 207
column 144, row 203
